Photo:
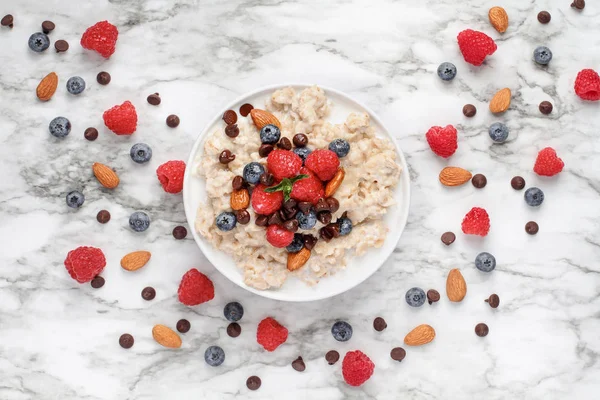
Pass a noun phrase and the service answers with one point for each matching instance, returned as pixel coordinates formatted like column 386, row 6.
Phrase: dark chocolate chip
column 469, row 110
column 242, row 216
column 290, row 204
column 265, row 149
column 237, row 183
column 479, row 181
column 398, row 354
column 326, row 233
column 291, row 225
column 230, row 117
column 493, row 301
column 481, row 330
column 333, row 204
column 379, row 324
column 517, row 183
column 226, row 157
column 103, row 78
column 324, row 217
column 332, row 357
column 578, row 4
column 97, row 282
column 91, row 134
column 448, row 238
column 7, row 20
column 148, row 293
column 234, row 329
column 245, row 109
column 232, row 131
column 179, row 232
column 61, row 46
column 298, row 364
column 173, row 121
column 544, row 17
column 261, row 220
column 253, row 383
column 433, row 296
column 126, row 341
column 103, row 216
column 285, row 144
column 48, row 26
column 153, row 99
column 321, row 206
column 305, row 207
column 300, row 140
column 267, row 179
column 532, row 227
column 546, row 107
column 275, row 219
column 309, row 241
column 183, row 325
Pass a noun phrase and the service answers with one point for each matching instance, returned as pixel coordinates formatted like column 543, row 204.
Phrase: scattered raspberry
column 476, row 222
column 101, row 37
column 270, row 333
column 587, row 85
column 84, row 263
column 121, row 119
column 308, row 189
column 475, row 46
column 195, row 288
column 548, row 163
column 170, row 175
column 324, row 163
column 357, row 368
column 283, row 164
column 278, row 236
column 443, row 141
column 266, row 203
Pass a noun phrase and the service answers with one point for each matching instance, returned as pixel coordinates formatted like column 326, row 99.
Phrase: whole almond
column 240, row 199
column 335, row 182
column 422, row 334
column 454, row 176
column 166, row 336
column 136, row 260
column 456, row 287
column 297, row 260
column 501, row 101
column 105, row 175
column 262, row 118
column 47, row 87
column 498, row 19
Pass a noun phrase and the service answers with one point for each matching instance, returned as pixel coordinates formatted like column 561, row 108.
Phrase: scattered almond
column 136, row 260
column 166, row 336
column 262, row 118
column 297, row 260
column 498, row 19
column 501, row 101
column 105, row 175
column 240, row 199
column 454, row 176
column 47, row 87
column 335, row 182
column 422, row 334
column 456, row 287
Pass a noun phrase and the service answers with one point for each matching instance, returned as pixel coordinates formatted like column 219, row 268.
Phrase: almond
column 106, row 176
column 498, row 19
column 46, row 88
column 454, row 176
column 501, row 101
column 262, row 118
column 297, row 260
column 456, row 287
column 240, row 199
column 422, row 334
column 335, row 182
column 166, row 336
column 136, row 260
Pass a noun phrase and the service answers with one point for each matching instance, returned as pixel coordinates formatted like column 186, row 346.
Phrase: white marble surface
column 59, row 339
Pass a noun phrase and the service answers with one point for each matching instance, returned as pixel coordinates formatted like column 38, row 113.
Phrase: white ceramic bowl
column 359, row 268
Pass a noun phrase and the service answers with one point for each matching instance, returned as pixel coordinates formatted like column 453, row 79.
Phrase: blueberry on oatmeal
column 252, row 172
column 226, row 221
column 270, row 134
column 306, row 221
column 340, row 147
column 302, row 152
column 345, row 224
column 297, row 244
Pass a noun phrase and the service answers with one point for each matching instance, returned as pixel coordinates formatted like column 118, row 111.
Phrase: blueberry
column 214, row 356
column 341, row 331
column 60, row 127
column 307, row 221
column 297, row 244
column 498, row 132
column 302, row 152
column 270, row 134
column 39, row 42
column 534, row 197
column 415, row 297
column 75, row 199
column 252, row 172
column 140, row 153
column 75, row 85
column 345, row 224
column 485, row 262
column 446, row 71
column 233, row 311
column 340, row 147
column 139, row 221
column 542, row 55
column 226, row 221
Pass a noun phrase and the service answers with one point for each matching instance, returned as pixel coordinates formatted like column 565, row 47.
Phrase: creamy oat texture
column 371, row 175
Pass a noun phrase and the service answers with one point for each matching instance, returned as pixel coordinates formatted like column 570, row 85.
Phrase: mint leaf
column 285, row 186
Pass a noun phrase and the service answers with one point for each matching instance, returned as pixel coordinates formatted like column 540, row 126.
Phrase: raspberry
column 357, row 368
column 324, row 163
column 476, row 222
column 548, row 163
column 587, row 85
column 270, row 334
column 475, row 46
column 121, row 119
column 442, row 141
column 84, row 263
column 170, row 175
column 101, row 37
column 308, row 189
column 278, row 236
column 283, row 164
column 195, row 288
column 266, row 203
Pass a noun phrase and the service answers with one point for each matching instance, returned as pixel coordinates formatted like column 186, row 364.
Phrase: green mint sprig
column 285, row 186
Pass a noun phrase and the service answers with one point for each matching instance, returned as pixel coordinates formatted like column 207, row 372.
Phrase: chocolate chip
column 126, row 341
column 544, row 17
column 398, row 354
column 285, row 144
column 253, row 383
column 517, row 183
column 329, row 232
column 265, row 149
column 379, row 324
column 237, row 183
column 321, row 206
column 103, row 78
column 479, row 181
column 7, row 20
column 226, row 157
column 242, row 216
column 433, row 296
column 153, row 99
column 291, row 225
column 267, row 179
column 448, row 238
column 97, row 282
column 48, row 26
column 324, row 217
column 91, row 134
column 546, row 107
column 230, row 117
column 61, row 46
column 298, row 364
column 578, row 4
column 234, row 329
column 183, row 325
column 245, row 109
column 469, row 110
column 332, row 357
column 493, row 301
column 179, row 232
column 300, row 140
column 290, row 204
column 309, row 241
column 232, row 131
column 333, row 204
column 305, row 206
column 532, row 227
column 261, row 220
column 103, row 216
column 172, row 121
column 481, row 330
column 290, row 214
column 275, row 219
column 148, row 293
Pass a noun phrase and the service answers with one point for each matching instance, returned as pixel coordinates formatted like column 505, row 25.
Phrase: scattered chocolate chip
column 321, row 206
column 379, row 324
column 333, row 204
column 7, row 20
column 226, row 157
column 245, row 109
column 291, row 225
column 153, row 99
column 183, row 325
column 398, row 354
column 61, row 46
column 148, row 293
column 290, row 204
column 261, row 220
column 544, row 17
column 232, row 131
column 285, row 144
column 48, row 26
column 265, row 149
column 517, row 183
column 493, row 301
column 253, row 383
column 103, row 78
column 469, row 110
column 230, row 117
column 234, row 329
column 300, row 140
column 242, row 216
column 126, row 341
column 179, row 232
column 275, row 219
column 546, row 107
column 237, row 183
column 103, row 216
column 532, row 227
column 578, row 4
column 310, row 241
column 433, row 296
column 172, row 121
column 97, row 282
column 324, row 217
column 479, row 181
column 481, row 330
column 448, row 238
column 305, row 206
column 329, row 232
column 298, row 364
column 291, row 213
column 91, row 134
column 267, row 179
column 332, row 357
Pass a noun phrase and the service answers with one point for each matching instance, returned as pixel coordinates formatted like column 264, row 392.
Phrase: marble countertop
column 59, row 339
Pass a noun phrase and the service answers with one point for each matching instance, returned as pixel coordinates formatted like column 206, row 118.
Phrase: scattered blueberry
column 270, row 134
column 233, row 311
column 75, row 199
column 534, row 197
column 542, row 55
column 345, row 224
column 39, row 42
column 226, row 221
column 341, row 331
column 140, row 153
column 340, row 147
column 485, row 262
column 297, row 244
column 252, row 172
column 446, row 71
column 139, row 221
column 498, row 132
column 60, row 127
column 415, row 297
column 75, row 85
column 214, row 356
column 302, row 152
column 306, row 221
